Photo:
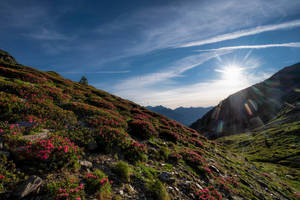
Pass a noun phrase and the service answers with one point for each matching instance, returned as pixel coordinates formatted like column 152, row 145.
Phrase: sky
column 171, row 53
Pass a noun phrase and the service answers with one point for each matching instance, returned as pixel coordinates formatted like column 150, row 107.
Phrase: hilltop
column 63, row 140
column 183, row 115
column 252, row 107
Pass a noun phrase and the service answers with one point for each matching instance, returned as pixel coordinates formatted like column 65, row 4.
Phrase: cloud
column 243, row 33
column 178, row 24
column 171, row 71
column 97, row 72
column 46, row 34
column 291, row 44
column 199, row 94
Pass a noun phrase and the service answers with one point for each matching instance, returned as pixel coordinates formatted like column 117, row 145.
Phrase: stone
column 165, row 177
column 85, row 163
column 42, row 135
column 92, row 146
column 31, row 185
column 198, row 186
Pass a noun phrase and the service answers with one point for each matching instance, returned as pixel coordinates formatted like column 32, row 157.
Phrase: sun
column 231, row 75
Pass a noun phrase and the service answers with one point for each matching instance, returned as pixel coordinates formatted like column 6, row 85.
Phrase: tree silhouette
column 83, row 80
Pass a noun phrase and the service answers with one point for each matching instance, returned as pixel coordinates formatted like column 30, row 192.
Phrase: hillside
column 186, row 116
column 273, row 148
column 63, row 140
column 252, row 107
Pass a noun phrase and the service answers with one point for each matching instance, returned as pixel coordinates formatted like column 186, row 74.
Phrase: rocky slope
column 183, row 115
column 63, row 140
column 252, row 107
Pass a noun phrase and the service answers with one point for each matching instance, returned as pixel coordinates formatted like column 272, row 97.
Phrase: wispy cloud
column 205, row 93
column 46, row 34
column 243, row 33
column 96, row 72
column 171, row 71
column 291, row 44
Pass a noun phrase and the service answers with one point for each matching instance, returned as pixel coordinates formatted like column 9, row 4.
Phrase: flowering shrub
column 56, row 150
column 208, row 193
column 135, row 151
column 97, row 181
column 193, row 158
column 174, row 157
column 68, row 189
column 169, row 135
column 100, row 103
column 98, row 121
column 141, row 129
column 196, row 142
column 109, row 138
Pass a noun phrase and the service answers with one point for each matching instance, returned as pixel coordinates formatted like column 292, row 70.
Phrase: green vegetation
column 156, row 190
column 122, row 170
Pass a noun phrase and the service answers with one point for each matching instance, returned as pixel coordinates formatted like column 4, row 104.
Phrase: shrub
column 98, row 182
column 208, row 193
column 56, row 151
column 169, row 135
column 193, row 158
column 135, row 151
column 110, row 138
column 157, row 190
column 141, row 129
column 68, row 189
column 123, row 171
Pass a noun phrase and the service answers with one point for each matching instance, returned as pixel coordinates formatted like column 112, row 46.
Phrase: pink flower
column 78, row 198
column 1, row 130
column 1, row 176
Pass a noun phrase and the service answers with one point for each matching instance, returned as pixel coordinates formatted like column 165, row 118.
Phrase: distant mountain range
column 183, row 115
column 254, row 106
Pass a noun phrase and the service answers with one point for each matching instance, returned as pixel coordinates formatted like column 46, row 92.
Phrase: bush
column 98, row 182
column 141, row 129
column 57, row 151
column 157, row 190
column 135, row 151
column 122, row 170
column 68, row 189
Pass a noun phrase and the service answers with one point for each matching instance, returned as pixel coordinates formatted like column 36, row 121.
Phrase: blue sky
column 171, row 53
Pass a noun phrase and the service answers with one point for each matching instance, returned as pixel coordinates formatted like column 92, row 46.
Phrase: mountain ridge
column 251, row 107
column 184, row 115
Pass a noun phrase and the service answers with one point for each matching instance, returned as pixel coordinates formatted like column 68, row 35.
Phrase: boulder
column 85, row 163
column 31, row 185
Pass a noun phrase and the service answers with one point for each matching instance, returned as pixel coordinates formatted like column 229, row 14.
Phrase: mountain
column 63, row 140
column 183, row 115
column 252, row 107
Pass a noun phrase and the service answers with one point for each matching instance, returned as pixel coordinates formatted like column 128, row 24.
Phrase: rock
column 166, row 177
column 121, row 192
column 214, row 169
column 42, row 135
column 6, row 153
column 92, row 146
column 198, row 186
column 31, row 185
column 85, row 163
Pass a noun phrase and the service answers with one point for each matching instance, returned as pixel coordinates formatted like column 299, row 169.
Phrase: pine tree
column 83, row 80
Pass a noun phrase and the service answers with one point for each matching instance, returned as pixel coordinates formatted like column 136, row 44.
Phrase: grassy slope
column 274, row 148
column 149, row 142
